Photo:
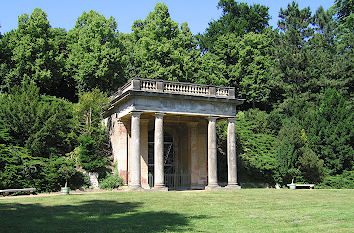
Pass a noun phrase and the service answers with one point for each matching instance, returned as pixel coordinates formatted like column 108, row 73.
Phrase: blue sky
column 197, row 13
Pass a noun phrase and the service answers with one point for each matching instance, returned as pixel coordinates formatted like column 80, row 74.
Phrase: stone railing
column 153, row 85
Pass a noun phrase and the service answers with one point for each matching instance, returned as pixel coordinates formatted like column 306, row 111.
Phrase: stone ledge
column 213, row 188
column 159, row 189
column 232, row 187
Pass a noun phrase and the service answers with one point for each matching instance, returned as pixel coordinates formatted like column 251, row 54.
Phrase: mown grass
column 248, row 210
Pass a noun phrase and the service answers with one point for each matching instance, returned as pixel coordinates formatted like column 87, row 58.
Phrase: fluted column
column 135, row 173
column 158, row 153
column 231, row 155
column 212, row 154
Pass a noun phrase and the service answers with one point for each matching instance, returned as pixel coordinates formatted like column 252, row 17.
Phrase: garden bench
column 310, row 186
column 7, row 191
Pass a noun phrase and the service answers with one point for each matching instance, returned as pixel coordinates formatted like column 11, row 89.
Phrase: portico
column 163, row 134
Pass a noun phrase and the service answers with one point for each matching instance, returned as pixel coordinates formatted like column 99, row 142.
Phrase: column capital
column 231, row 119
column 159, row 114
column 212, row 118
column 136, row 113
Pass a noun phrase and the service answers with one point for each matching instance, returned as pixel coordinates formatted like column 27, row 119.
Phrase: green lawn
column 247, row 210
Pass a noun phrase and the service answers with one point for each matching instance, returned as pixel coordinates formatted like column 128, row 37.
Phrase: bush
column 342, row 181
column 78, row 180
column 111, row 182
column 90, row 154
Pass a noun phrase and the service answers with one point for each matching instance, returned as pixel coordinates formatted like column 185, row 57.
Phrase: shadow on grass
column 90, row 216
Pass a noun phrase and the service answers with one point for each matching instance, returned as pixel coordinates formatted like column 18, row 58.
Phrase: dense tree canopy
column 237, row 18
column 96, row 55
column 35, row 52
column 163, row 49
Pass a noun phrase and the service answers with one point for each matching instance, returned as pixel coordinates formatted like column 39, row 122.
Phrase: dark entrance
column 169, row 157
column 173, row 179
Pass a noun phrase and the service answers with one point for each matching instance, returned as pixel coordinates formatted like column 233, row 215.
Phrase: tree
column 256, row 145
column 162, row 48
column 331, row 133
column 96, row 55
column 345, row 37
column 211, row 70
column 36, row 52
column 37, row 131
column 243, row 62
column 93, row 141
column 292, row 52
column 345, row 9
column 294, row 155
column 238, row 19
column 67, row 169
column 253, row 68
column 41, row 124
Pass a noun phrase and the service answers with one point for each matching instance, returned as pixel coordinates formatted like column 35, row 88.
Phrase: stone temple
column 163, row 134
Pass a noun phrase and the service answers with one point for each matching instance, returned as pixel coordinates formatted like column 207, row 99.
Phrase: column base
column 160, row 189
column 135, row 188
column 232, row 187
column 213, row 187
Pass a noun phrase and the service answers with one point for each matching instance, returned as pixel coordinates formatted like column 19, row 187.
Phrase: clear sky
column 197, row 13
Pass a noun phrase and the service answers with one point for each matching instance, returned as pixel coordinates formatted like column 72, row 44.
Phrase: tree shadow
column 90, row 216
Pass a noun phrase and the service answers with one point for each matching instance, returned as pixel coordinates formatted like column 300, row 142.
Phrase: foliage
column 236, row 18
column 295, row 157
column 96, row 55
column 36, row 52
column 111, row 181
column 41, row 124
column 256, row 144
column 253, row 68
column 89, row 111
column 299, row 76
column 345, row 8
column 162, row 48
column 331, row 132
column 67, row 169
column 339, row 181
column 292, row 51
column 93, row 141
column 90, row 154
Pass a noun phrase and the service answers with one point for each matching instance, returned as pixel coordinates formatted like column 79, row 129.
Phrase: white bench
column 310, row 186
column 7, row 191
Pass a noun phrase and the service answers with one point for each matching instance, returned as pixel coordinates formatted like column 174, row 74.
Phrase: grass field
column 247, row 210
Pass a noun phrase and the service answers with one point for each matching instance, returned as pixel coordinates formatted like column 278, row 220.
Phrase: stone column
column 231, row 155
column 212, row 155
column 135, row 173
column 159, row 175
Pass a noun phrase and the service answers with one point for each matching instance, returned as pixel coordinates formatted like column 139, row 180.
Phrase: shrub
column 78, row 180
column 111, row 181
column 90, row 155
column 344, row 181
